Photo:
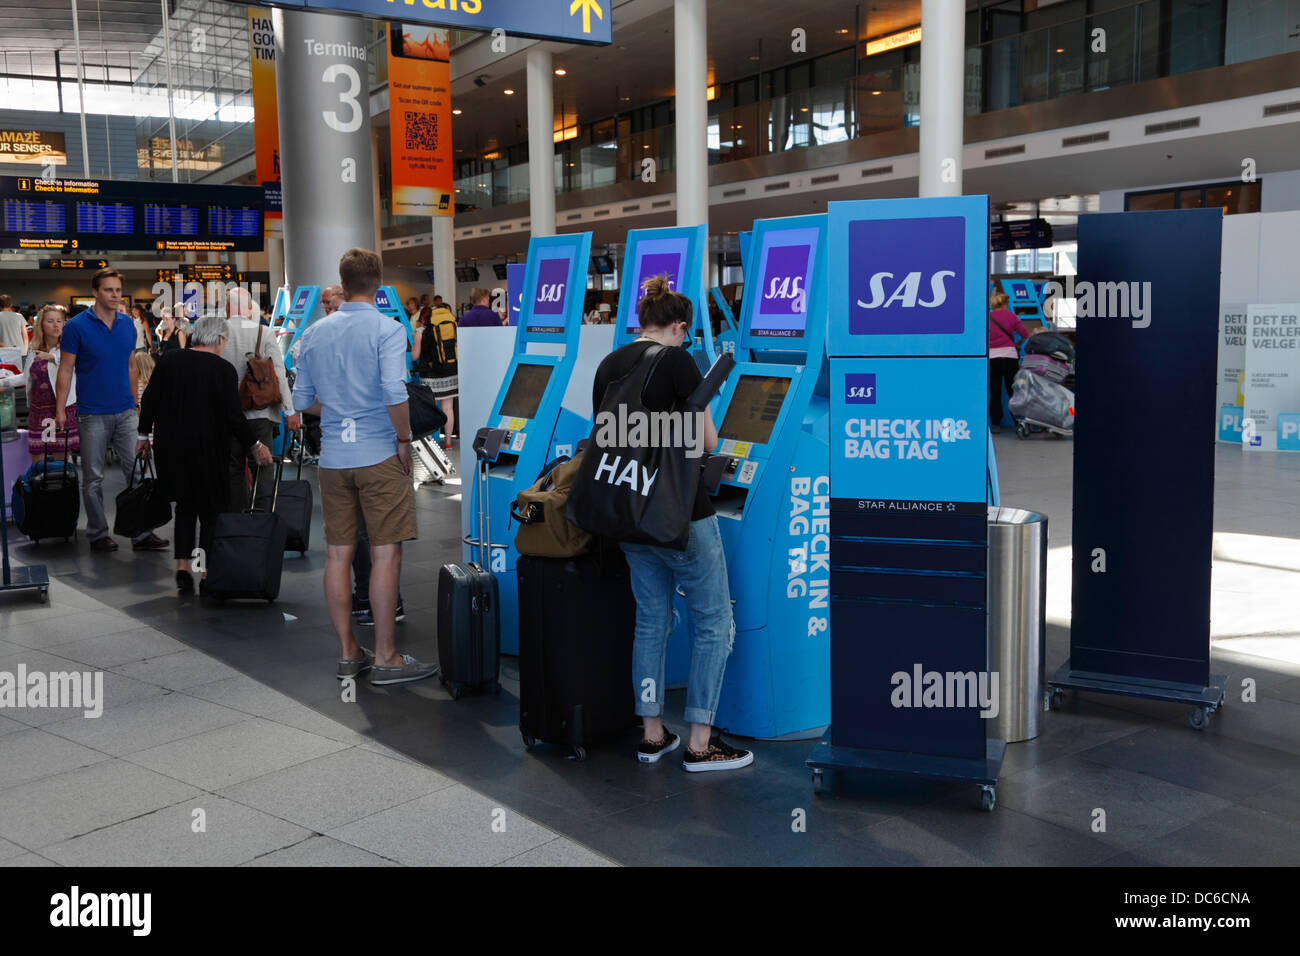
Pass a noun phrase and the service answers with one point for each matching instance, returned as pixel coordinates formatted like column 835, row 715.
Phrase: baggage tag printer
column 527, row 416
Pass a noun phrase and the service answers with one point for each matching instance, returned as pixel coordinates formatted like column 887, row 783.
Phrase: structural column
column 690, row 48
column 943, row 78
column 275, row 263
column 326, row 173
column 541, row 148
column 444, row 259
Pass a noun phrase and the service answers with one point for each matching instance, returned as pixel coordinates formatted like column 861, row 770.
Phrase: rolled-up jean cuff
column 653, row 708
column 694, row 715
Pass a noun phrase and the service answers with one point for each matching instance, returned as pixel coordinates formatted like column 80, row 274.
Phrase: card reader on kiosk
column 527, row 420
column 768, row 483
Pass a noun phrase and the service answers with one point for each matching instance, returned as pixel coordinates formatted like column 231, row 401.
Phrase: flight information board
column 114, row 214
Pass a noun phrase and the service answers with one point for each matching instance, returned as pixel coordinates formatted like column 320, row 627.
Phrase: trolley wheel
column 1054, row 698
column 579, row 753
column 45, row 595
column 456, row 691
column 818, row 782
column 1022, row 431
column 988, row 798
column 1199, row 718
column 529, row 741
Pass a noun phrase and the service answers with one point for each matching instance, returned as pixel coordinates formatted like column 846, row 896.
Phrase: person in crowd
column 144, row 366
column 96, row 347
column 243, row 325
column 144, row 340
column 353, row 368
column 701, row 569
column 438, row 303
column 331, row 298
column 434, row 353
column 412, row 307
column 1004, row 357
column 172, row 332
column 192, row 406
column 13, row 327
column 603, row 314
column 40, row 373
column 480, row 314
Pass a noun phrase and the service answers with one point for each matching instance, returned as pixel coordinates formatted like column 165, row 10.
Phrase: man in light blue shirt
column 351, row 371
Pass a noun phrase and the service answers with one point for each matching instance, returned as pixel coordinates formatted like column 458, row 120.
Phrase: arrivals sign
column 572, row 21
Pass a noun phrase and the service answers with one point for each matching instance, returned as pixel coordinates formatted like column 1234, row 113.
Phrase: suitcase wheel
column 579, row 753
column 529, row 741
column 456, row 691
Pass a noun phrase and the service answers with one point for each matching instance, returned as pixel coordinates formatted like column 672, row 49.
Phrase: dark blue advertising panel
column 1144, row 492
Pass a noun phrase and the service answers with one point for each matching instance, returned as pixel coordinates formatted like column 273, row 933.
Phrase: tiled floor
column 234, row 710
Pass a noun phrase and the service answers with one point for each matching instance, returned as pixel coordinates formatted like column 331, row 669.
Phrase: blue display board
column 514, row 289
column 677, row 252
column 908, row 340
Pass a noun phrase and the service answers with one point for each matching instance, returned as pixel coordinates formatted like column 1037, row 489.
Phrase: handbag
column 426, row 416
column 141, row 506
column 544, row 531
column 639, row 495
column 258, row 388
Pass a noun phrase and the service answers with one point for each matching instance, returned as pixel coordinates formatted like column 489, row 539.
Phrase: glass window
column 1144, row 201
column 1243, row 197
column 1191, row 198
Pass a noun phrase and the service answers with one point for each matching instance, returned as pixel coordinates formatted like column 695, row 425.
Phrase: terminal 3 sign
column 572, row 21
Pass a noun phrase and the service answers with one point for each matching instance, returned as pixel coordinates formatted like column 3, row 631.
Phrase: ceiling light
column 561, row 72
column 508, row 92
column 875, row 92
column 842, row 31
column 1060, row 49
column 457, row 111
column 803, row 109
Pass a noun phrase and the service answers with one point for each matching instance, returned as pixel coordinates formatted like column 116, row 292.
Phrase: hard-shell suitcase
column 577, row 621
column 293, row 502
column 469, row 621
column 247, row 555
column 46, row 499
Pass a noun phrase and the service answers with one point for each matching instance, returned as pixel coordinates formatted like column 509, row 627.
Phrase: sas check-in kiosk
column 296, row 318
column 528, row 421
column 1024, row 298
column 769, row 485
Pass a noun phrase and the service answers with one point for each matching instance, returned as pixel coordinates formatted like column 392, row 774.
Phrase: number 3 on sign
column 348, row 97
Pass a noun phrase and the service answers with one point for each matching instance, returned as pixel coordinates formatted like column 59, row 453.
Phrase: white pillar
column 943, row 65
column 444, row 260
column 690, row 51
column 541, row 144
column 275, row 263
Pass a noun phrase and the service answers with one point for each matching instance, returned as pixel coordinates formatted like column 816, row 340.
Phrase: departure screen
column 525, row 391
column 754, row 407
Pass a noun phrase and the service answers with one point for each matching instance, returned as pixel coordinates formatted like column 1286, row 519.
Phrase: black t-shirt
column 675, row 378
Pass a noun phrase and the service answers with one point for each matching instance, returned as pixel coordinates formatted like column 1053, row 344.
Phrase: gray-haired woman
column 192, row 406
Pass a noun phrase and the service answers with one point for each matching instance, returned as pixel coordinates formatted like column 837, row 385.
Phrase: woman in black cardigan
column 192, row 404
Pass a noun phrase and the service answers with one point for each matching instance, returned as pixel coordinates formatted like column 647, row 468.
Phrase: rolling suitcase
column 46, row 499
column 577, row 620
column 469, row 618
column 247, row 554
column 293, row 503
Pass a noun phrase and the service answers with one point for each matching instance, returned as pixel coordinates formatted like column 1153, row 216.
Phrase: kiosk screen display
column 525, row 391
column 754, row 407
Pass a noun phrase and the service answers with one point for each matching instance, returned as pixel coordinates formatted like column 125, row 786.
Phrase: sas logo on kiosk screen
column 905, row 276
column 860, row 388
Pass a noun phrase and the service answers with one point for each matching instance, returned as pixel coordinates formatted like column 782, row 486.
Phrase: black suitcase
column 577, row 620
column 469, row 621
column 247, row 555
column 293, row 502
column 46, row 500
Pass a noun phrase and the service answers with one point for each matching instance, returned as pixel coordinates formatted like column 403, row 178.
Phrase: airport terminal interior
column 965, row 628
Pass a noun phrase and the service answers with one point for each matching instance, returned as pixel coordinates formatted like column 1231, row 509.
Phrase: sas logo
column 905, row 276
column 783, row 281
column 860, row 389
column 552, row 275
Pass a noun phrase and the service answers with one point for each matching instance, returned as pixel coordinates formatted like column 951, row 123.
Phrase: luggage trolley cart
column 1026, row 426
column 34, row 577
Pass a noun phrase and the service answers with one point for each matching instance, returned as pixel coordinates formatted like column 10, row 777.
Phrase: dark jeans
column 183, row 530
column 361, row 565
column 264, row 430
column 1002, row 371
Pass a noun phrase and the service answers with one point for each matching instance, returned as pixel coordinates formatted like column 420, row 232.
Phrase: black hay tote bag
column 427, row 416
column 642, row 495
column 141, row 506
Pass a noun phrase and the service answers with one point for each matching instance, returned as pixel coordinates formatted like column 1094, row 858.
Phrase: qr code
column 421, row 130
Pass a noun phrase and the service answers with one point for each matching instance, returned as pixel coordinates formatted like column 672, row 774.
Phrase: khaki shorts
column 383, row 493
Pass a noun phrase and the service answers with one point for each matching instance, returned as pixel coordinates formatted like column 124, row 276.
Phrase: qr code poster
column 419, row 108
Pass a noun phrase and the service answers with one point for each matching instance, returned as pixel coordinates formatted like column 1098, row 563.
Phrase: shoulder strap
column 257, row 349
column 1010, row 335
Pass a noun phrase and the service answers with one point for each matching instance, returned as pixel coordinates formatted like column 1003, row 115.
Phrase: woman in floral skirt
column 40, row 371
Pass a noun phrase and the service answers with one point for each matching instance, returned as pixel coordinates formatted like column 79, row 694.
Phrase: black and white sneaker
column 648, row 752
column 720, row 756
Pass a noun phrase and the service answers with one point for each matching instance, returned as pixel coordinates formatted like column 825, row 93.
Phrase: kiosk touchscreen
column 772, row 492
column 527, row 420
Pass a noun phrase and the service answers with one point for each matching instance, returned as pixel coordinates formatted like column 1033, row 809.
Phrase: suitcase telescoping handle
column 45, row 470
column 275, row 490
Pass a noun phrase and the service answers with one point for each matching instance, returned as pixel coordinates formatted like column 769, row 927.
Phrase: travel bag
column 248, row 554
column 544, row 531
column 1041, row 400
column 46, row 499
column 141, row 506
column 1051, row 343
column 293, row 502
column 577, row 621
column 1046, row 366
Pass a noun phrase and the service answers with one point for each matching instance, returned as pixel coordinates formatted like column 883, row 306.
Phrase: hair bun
column 656, row 287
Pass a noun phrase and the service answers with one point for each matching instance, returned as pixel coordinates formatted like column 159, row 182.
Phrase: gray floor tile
column 146, row 723
column 1233, row 836
column 118, row 692
column 452, row 827
column 242, row 693
column 559, row 852
column 13, row 613
column 59, row 807
column 27, row 859
column 178, row 671
column 32, row 754
column 8, row 850
column 234, row 834
column 320, row 851
column 1282, row 800
column 8, row 725
column 314, row 722
column 48, row 632
column 123, row 647
column 226, row 756
column 330, row 791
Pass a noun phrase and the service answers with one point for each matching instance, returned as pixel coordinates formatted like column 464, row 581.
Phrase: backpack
column 440, row 333
column 258, row 388
column 544, row 531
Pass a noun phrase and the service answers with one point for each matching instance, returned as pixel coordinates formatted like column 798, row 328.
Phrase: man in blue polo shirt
column 98, row 345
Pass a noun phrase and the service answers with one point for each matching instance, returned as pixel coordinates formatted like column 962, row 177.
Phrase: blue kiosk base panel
column 1204, row 700
column 826, row 756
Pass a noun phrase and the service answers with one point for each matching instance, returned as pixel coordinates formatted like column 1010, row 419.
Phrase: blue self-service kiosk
column 389, row 303
column 301, row 310
column 726, row 340
column 528, row 421
column 772, row 497
column 1024, row 298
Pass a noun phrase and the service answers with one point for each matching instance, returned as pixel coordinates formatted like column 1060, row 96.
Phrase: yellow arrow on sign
column 587, row 7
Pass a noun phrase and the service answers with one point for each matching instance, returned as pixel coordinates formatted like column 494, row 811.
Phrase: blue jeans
column 701, row 570
column 98, row 434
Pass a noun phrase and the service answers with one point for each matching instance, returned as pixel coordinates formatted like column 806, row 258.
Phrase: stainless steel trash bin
column 1017, row 592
